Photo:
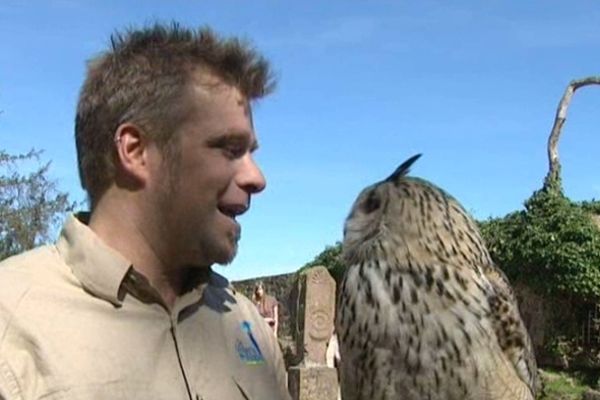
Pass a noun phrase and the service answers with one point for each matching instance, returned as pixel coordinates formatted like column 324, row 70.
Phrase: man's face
column 211, row 181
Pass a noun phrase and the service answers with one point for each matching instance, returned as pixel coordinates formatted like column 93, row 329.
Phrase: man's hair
column 142, row 79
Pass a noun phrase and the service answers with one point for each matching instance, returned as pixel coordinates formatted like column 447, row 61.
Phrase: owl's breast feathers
column 439, row 328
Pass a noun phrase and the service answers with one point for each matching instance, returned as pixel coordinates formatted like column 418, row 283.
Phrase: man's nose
column 250, row 177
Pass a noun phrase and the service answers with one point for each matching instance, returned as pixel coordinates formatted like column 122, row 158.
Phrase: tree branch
column 553, row 177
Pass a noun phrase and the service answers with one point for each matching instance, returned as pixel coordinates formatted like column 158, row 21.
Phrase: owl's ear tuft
column 403, row 169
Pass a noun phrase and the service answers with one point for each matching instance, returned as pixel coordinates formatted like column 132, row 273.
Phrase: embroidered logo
column 249, row 354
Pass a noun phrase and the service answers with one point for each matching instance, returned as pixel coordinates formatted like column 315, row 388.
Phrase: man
column 125, row 305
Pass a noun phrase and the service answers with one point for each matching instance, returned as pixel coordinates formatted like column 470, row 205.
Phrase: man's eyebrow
column 233, row 138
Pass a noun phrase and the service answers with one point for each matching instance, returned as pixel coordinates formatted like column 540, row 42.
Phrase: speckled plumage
column 423, row 313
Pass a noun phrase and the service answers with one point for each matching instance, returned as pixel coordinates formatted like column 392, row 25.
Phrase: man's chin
column 221, row 252
column 226, row 262
column 227, row 257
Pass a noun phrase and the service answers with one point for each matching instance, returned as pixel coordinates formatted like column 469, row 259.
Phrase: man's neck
column 120, row 229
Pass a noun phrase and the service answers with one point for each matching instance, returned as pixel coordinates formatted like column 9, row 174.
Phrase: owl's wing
column 510, row 329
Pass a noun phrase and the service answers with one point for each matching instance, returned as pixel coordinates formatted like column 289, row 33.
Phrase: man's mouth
column 233, row 210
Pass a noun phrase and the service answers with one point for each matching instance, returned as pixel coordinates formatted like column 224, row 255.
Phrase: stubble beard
column 234, row 238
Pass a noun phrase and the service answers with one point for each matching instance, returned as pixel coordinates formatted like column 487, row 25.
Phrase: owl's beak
column 403, row 169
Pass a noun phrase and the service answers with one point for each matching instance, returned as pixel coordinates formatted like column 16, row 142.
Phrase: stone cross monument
column 312, row 379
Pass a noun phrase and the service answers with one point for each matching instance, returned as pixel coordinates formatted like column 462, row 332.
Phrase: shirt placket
column 174, row 336
column 139, row 286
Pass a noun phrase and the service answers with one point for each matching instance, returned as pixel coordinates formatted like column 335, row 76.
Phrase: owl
column 423, row 312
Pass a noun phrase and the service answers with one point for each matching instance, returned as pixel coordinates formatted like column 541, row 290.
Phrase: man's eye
column 234, row 151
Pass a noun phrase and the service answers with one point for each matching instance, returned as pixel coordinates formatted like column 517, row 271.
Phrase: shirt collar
column 98, row 267
column 107, row 274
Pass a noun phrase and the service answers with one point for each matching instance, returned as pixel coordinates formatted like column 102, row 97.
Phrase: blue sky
column 363, row 85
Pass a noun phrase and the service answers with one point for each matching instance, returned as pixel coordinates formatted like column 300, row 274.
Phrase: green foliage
column 553, row 245
column 329, row 258
column 563, row 347
column 30, row 203
column 592, row 206
column 563, row 385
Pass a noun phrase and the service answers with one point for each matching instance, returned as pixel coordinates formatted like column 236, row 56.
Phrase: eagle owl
column 423, row 312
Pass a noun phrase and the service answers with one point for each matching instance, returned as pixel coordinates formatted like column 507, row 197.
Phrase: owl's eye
column 372, row 203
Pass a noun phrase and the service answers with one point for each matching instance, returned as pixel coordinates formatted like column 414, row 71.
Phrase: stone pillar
column 312, row 379
column 313, row 383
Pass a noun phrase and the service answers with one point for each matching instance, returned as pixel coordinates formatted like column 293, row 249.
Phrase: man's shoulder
column 19, row 273
column 43, row 251
column 222, row 288
column 220, row 284
column 29, row 263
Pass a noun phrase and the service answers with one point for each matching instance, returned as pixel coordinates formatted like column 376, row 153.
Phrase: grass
column 560, row 385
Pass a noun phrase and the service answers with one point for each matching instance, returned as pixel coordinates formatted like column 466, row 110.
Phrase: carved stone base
column 315, row 383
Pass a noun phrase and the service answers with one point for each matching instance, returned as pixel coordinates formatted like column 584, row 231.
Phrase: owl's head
column 409, row 212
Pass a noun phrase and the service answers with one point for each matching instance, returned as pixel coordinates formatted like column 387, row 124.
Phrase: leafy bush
column 553, row 245
column 329, row 258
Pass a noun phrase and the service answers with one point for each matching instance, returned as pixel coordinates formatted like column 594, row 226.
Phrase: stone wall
column 541, row 316
column 550, row 317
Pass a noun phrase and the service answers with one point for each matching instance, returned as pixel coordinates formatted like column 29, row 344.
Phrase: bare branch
column 553, row 176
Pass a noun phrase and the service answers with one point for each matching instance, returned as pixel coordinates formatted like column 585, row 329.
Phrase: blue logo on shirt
column 249, row 354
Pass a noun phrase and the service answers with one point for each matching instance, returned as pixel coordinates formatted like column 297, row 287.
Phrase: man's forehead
column 207, row 83
column 207, row 88
column 205, row 91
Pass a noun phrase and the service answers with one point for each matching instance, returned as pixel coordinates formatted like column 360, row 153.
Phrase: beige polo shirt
column 77, row 322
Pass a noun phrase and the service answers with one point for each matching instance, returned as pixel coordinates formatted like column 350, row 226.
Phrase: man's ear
column 131, row 154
